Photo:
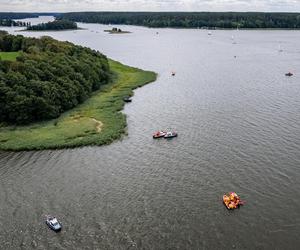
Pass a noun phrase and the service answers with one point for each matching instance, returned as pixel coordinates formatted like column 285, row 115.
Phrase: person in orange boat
column 226, row 199
column 234, row 198
column 232, row 205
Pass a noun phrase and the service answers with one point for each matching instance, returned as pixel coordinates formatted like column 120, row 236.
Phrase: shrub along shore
column 97, row 121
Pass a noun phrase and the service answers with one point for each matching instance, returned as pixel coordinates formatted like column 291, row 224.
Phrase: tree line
column 10, row 22
column 47, row 78
column 6, row 19
column 190, row 19
column 54, row 25
column 23, row 15
column 17, row 15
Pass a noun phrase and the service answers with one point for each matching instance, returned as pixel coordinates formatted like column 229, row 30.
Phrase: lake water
column 238, row 119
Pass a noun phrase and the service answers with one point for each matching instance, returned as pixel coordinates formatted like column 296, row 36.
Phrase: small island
column 59, row 95
column 54, row 25
column 116, row 31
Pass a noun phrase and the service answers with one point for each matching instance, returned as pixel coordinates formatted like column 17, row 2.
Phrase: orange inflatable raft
column 232, row 200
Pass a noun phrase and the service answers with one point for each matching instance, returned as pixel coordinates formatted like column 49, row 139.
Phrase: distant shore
column 97, row 121
column 26, row 30
column 210, row 20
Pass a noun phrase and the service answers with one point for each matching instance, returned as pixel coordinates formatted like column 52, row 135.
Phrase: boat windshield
column 54, row 222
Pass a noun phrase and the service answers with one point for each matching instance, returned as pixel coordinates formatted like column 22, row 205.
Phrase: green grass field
column 97, row 121
column 9, row 56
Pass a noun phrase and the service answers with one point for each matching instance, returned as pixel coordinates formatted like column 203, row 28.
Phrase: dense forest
column 22, row 15
column 55, row 25
column 47, row 78
column 190, row 19
column 16, row 15
column 10, row 22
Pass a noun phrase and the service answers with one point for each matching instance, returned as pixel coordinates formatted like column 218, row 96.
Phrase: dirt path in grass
column 99, row 125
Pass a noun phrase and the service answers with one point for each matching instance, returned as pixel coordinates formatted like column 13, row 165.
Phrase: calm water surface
column 238, row 121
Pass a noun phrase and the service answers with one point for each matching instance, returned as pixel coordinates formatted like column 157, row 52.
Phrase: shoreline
column 189, row 28
column 49, row 30
column 98, row 121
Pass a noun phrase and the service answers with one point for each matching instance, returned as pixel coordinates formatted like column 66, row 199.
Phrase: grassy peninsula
column 97, row 121
column 59, row 95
